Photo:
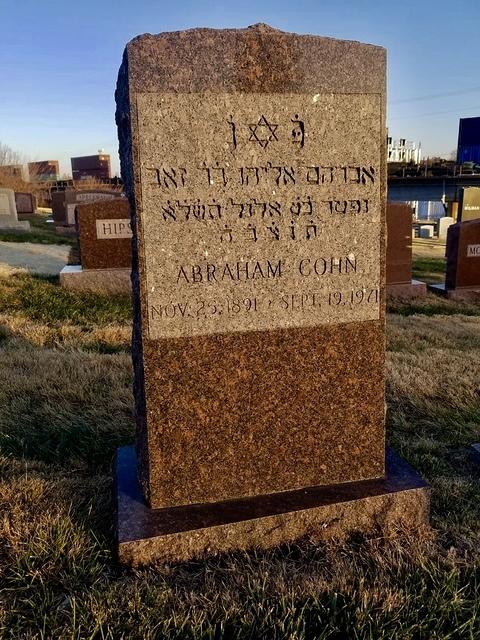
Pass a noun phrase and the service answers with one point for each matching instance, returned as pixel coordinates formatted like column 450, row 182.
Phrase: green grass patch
column 41, row 298
column 430, row 265
column 41, row 232
column 37, row 238
column 430, row 270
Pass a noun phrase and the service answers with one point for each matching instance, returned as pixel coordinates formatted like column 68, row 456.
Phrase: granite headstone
column 399, row 253
column 463, row 255
column 469, row 204
column 255, row 165
column 26, row 203
column 64, row 203
column 104, row 236
column 462, row 278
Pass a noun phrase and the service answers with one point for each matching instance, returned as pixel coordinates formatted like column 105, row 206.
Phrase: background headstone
column 399, row 253
column 64, row 202
column 469, row 204
column 104, row 234
column 399, row 243
column 258, row 195
column 463, row 255
column 443, row 225
column 8, row 212
column 26, row 203
column 426, row 231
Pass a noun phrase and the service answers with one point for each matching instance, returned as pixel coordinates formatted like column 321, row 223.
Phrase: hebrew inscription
column 259, row 211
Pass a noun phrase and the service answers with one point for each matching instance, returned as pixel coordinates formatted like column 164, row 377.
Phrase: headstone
column 469, row 204
column 8, row 212
column 462, row 279
column 104, row 234
column 64, row 203
column 26, row 203
column 463, row 255
column 443, row 225
column 426, row 231
column 399, row 253
column 59, row 201
column 255, row 165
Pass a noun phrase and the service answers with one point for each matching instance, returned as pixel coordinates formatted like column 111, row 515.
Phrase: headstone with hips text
column 104, row 236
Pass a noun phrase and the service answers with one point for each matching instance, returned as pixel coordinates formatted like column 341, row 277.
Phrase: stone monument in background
column 254, row 161
column 462, row 278
column 469, row 204
column 8, row 212
column 64, row 203
column 105, row 254
column 399, row 253
column 25, row 202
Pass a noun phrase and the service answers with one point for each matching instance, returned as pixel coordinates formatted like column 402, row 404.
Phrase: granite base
column 14, row 225
column 144, row 535
column 96, row 280
column 407, row 290
column 463, row 294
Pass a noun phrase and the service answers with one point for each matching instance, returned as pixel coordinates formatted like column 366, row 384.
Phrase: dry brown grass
column 418, row 333
column 435, row 361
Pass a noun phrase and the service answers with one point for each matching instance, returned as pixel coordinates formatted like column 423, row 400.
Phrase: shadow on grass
column 432, row 305
column 65, row 407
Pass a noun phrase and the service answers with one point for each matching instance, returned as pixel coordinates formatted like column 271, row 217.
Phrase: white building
column 403, row 150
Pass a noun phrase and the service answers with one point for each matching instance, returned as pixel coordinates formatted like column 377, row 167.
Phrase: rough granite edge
column 259, row 27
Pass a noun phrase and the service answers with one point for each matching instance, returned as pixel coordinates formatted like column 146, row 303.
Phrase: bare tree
column 11, row 177
column 9, row 156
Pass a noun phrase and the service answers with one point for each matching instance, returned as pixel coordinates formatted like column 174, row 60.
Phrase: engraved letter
column 370, row 173
column 298, row 132
column 168, row 211
column 233, row 131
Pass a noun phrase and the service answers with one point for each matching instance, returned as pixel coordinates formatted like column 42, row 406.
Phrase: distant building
column 468, row 149
column 403, row 150
column 13, row 171
column 91, row 167
column 43, row 170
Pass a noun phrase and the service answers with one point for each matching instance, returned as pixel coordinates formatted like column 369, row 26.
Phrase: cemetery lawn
column 66, row 404
column 41, row 232
column 429, row 269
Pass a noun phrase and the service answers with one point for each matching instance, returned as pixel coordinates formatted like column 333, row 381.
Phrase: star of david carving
column 263, row 132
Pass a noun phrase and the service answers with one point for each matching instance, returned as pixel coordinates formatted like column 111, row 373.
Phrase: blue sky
column 59, row 62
